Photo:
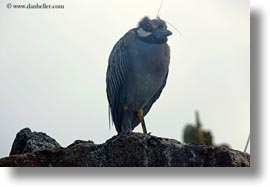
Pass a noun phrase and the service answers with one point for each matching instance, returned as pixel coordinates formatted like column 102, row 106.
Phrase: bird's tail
column 110, row 117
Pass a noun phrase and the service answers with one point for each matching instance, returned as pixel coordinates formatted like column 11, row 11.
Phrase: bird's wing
column 119, row 61
column 146, row 109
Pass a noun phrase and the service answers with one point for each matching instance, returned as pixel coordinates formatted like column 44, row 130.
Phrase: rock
column 131, row 150
column 77, row 142
column 30, row 142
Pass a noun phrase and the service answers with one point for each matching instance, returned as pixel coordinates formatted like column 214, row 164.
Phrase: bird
column 137, row 72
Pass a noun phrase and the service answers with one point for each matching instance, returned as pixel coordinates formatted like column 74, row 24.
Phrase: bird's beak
column 162, row 33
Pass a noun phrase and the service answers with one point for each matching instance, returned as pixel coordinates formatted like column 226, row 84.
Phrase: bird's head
column 153, row 31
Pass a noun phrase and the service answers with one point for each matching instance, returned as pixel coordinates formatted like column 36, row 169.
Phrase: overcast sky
column 53, row 65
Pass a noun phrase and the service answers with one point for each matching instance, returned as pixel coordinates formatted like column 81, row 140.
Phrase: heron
column 137, row 72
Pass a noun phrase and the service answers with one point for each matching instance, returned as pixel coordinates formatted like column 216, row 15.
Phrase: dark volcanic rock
column 30, row 142
column 132, row 150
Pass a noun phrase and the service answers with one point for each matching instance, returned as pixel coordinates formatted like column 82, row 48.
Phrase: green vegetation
column 194, row 133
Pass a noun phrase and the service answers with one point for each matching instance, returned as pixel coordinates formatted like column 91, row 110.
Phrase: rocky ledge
column 32, row 149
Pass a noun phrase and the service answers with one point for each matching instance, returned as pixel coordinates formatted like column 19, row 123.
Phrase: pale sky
column 53, row 66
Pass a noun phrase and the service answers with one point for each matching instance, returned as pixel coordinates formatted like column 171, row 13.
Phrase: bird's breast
column 148, row 71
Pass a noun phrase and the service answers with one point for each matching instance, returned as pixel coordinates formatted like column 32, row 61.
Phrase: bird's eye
column 148, row 29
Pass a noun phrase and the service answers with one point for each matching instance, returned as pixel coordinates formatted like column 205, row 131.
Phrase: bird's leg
column 126, row 125
column 140, row 115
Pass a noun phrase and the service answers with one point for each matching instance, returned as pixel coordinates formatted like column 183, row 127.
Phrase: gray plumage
column 137, row 72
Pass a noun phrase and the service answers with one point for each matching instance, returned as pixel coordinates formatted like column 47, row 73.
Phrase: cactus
column 194, row 133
